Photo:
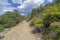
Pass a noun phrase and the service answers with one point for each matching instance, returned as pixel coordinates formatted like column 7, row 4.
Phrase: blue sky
column 23, row 6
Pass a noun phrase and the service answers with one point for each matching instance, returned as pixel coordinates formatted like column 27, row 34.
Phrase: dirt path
column 20, row 32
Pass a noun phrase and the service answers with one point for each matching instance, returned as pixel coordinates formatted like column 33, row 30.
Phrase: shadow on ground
column 35, row 29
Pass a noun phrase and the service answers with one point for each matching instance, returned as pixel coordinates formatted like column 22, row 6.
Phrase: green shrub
column 49, row 38
column 55, row 24
column 38, row 23
column 1, row 28
column 50, row 20
column 10, row 19
column 32, row 21
column 54, row 29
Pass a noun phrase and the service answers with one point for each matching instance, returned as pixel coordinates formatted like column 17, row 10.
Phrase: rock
column 2, row 36
column 6, row 29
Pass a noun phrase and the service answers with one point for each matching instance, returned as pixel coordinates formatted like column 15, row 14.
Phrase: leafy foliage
column 1, row 28
column 38, row 23
column 10, row 19
column 47, row 19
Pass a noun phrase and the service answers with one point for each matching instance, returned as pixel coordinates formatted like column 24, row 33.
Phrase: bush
column 38, row 23
column 1, row 28
column 49, row 21
column 10, row 19
column 53, row 31
column 32, row 21
column 55, row 25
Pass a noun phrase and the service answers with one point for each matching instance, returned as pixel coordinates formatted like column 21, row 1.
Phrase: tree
column 10, row 19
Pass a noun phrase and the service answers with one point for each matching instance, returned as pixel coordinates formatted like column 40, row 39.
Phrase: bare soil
column 21, row 32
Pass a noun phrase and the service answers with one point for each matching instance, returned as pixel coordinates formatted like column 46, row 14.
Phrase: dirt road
column 20, row 32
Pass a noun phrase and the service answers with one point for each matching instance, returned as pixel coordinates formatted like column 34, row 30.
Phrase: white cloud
column 4, row 2
column 4, row 6
column 21, row 7
column 50, row 0
column 22, row 14
column 27, row 5
column 17, row 1
column 3, row 10
column 8, row 9
column 30, row 4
